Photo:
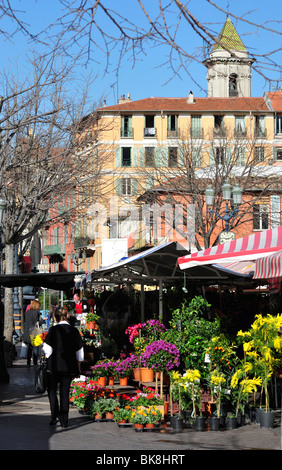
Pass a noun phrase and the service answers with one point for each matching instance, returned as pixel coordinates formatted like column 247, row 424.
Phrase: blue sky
column 149, row 77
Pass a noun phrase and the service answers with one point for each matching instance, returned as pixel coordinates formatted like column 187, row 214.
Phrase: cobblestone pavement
column 25, row 416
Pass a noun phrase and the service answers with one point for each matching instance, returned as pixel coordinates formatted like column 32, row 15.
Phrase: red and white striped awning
column 269, row 266
column 250, row 248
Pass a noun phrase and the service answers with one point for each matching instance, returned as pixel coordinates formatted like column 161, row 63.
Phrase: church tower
column 229, row 65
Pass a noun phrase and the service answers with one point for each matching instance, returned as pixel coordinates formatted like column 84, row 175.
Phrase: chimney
column 190, row 99
column 123, row 99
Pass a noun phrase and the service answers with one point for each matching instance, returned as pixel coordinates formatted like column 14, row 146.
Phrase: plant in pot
column 176, row 383
column 91, row 321
column 122, row 415
column 110, row 405
column 242, row 387
column 161, row 356
column 217, row 381
column 138, row 418
column 262, row 345
column 154, row 417
column 191, row 380
column 123, row 369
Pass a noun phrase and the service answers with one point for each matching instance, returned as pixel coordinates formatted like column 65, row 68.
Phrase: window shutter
column 211, row 155
column 141, row 156
column 181, row 154
column 134, row 187
column 118, row 187
column 135, row 157
column 118, row 157
column 275, row 211
column 150, row 181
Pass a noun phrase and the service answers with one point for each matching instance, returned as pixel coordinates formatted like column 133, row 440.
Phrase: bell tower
column 229, row 65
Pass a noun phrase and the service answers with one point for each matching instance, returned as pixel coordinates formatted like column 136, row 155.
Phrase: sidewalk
column 25, row 416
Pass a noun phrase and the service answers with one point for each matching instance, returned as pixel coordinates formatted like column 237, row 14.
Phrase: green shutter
column 135, row 157
column 141, row 156
column 158, row 156
column 211, row 155
column 118, row 187
column 181, row 156
column 134, row 187
column 118, row 157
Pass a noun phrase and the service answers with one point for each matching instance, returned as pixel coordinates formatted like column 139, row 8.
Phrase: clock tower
column 229, row 65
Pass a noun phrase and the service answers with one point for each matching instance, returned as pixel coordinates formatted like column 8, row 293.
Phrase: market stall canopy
column 56, row 281
column 159, row 263
column 249, row 248
column 269, row 266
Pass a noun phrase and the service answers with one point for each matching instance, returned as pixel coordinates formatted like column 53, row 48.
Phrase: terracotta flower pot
column 137, row 374
column 111, row 381
column 102, row 381
column 123, row 381
column 150, row 426
column 147, row 375
column 138, row 427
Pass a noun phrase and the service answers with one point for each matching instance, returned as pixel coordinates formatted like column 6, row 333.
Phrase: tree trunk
column 9, row 306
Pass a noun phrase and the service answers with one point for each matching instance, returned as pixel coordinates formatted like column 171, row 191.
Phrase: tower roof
column 229, row 38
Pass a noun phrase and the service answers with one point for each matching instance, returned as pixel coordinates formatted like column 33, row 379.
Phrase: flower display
column 217, row 381
column 124, row 367
column 104, row 368
column 160, row 355
column 147, row 397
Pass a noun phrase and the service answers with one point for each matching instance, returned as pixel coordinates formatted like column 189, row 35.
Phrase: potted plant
column 217, row 381
column 103, row 369
column 110, row 405
column 176, row 382
column 154, row 416
column 123, row 369
column 91, row 321
column 138, row 418
column 262, row 346
column 122, row 415
column 161, row 356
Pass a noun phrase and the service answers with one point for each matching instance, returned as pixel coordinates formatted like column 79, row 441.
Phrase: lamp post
column 77, row 259
column 228, row 193
column 4, row 376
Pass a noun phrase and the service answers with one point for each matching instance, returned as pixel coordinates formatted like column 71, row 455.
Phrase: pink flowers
column 160, row 355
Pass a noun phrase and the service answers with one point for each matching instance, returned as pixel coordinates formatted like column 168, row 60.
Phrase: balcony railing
column 219, row 132
column 126, row 133
column 172, row 134
column 57, row 249
column 150, row 132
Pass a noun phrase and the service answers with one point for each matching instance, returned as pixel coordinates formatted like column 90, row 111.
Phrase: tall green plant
column 262, row 346
column 191, row 332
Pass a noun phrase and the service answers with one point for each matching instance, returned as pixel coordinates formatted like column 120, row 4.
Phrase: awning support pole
column 160, row 300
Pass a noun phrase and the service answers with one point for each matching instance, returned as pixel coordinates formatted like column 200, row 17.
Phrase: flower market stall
column 213, row 382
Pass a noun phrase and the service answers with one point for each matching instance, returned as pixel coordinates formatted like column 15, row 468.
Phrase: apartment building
column 145, row 142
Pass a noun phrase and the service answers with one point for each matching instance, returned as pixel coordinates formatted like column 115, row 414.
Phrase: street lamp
column 228, row 193
column 77, row 259
column 4, row 376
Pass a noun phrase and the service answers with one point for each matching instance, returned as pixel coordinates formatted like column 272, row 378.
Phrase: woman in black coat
column 63, row 348
column 31, row 317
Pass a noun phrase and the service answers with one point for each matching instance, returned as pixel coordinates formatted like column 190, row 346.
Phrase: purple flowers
column 160, row 355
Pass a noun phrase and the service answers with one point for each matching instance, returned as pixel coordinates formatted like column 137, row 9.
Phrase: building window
column 172, row 125
column 126, row 187
column 278, row 126
column 126, row 156
column 260, row 126
column 240, row 128
column 220, row 155
column 259, row 154
column 196, row 127
column 278, row 154
column 219, row 130
column 233, row 85
column 126, row 126
column 149, row 156
column 149, row 130
column 260, row 217
column 172, row 157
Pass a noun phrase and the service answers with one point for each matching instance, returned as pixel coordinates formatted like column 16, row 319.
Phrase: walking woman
column 63, row 348
column 31, row 318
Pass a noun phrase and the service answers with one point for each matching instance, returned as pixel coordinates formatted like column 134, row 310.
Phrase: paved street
column 24, row 425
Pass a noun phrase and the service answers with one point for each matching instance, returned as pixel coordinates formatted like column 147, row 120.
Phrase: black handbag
column 41, row 376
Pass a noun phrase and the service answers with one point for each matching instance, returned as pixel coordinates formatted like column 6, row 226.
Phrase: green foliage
column 191, row 332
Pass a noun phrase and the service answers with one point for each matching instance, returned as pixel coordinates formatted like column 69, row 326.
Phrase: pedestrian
column 81, row 308
column 31, row 320
column 63, row 348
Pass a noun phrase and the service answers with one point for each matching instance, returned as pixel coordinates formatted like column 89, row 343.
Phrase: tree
column 193, row 166
column 43, row 161
column 93, row 28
